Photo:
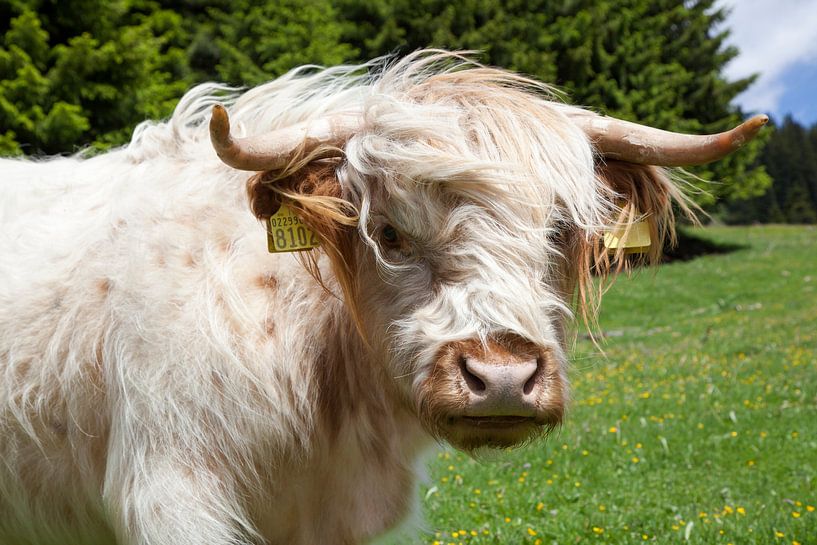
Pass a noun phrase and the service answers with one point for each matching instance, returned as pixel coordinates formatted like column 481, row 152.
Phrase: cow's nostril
column 474, row 383
column 530, row 384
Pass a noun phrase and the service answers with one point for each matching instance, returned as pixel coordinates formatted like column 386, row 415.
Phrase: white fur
column 152, row 390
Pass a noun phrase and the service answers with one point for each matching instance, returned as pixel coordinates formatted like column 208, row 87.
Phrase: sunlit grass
column 699, row 425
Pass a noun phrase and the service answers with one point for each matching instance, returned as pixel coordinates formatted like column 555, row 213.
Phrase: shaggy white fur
column 166, row 381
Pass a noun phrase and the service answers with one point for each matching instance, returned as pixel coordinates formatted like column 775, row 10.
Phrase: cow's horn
column 626, row 141
column 275, row 150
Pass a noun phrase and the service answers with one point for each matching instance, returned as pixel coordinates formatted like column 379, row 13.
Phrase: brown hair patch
column 646, row 194
column 267, row 281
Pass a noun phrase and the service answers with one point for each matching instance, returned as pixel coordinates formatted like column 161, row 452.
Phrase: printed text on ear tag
column 635, row 241
column 286, row 232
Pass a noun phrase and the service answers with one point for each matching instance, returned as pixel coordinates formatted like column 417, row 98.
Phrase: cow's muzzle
column 495, row 393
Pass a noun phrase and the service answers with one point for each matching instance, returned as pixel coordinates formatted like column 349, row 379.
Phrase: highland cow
column 165, row 380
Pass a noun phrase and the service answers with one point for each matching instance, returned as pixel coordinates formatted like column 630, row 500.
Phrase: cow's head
column 461, row 210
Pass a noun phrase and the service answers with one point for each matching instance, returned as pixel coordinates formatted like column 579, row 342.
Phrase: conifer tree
column 246, row 42
column 654, row 61
column 791, row 158
column 81, row 72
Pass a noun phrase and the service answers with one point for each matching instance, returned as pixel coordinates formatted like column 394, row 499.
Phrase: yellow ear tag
column 286, row 232
column 636, row 241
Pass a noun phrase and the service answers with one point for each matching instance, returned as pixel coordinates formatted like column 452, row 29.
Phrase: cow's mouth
column 485, row 422
column 500, row 431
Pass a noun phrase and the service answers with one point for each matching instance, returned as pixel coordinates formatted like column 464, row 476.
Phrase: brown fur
column 267, row 282
column 104, row 287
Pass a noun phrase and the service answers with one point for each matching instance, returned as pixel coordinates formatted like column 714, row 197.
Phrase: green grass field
column 699, row 425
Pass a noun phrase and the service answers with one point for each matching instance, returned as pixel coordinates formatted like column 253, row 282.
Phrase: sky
column 778, row 40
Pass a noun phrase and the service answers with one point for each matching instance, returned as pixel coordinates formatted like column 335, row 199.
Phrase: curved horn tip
column 219, row 124
column 751, row 127
column 757, row 120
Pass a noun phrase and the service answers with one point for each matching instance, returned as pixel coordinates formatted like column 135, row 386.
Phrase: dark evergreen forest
column 790, row 158
column 79, row 74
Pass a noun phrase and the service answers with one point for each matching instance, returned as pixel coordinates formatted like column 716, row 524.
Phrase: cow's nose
column 501, row 389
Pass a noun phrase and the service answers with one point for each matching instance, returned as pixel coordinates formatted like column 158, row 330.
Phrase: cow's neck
column 359, row 475
column 356, row 394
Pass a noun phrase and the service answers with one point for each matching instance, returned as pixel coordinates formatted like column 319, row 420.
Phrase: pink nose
column 501, row 389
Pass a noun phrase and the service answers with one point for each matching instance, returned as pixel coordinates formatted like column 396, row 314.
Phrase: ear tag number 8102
column 286, row 232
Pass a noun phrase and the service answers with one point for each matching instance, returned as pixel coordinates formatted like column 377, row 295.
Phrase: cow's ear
column 315, row 183
column 644, row 194
column 314, row 193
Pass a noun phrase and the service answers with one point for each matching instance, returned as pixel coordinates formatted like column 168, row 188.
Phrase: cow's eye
column 390, row 236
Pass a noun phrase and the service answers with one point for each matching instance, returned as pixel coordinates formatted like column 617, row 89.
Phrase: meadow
column 697, row 425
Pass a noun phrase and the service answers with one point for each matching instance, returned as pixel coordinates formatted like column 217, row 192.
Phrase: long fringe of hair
column 492, row 126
